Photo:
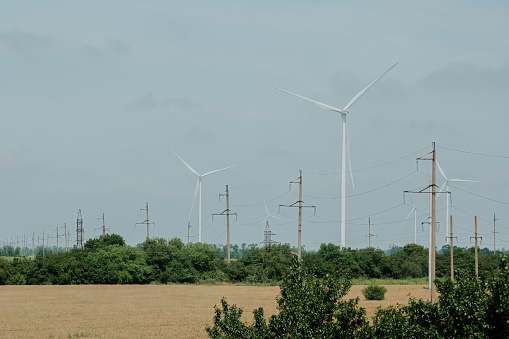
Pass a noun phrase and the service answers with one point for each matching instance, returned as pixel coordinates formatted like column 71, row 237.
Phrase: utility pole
column 33, row 245
column 188, row 228
column 494, row 222
column 451, row 248
column 43, row 243
column 369, row 232
column 227, row 213
column 300, row 206
column 104, row 227
column 146, row 221
column 433, row 218
column 57, row 239
column 65, row 237
column 476, row 255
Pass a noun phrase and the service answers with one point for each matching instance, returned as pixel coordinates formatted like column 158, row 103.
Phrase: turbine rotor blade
column 358, row 95
column 221, row 169
column 441, row 171
column 409, row 214
column 194, row 197
column 463, row 180
column 317, row 103
column 442, row 188
column 185, row 163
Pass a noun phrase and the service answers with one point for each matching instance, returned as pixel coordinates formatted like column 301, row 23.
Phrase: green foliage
column 5, row 271
column 104, row 241
column 308, row 308
column 374, row 292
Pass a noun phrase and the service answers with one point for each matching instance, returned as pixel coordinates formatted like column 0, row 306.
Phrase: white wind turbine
column 198, row 188
column 345, row 147
column 446, row 185
column 414, row 211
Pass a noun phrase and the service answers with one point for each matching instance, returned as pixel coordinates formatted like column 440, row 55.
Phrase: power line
column 375, row 166
column 475, row 153
column 480, row 196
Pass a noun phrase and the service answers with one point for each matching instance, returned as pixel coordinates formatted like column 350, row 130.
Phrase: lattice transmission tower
column 79, row 230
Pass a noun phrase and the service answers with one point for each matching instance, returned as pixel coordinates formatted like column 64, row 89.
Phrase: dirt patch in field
column 146, row 311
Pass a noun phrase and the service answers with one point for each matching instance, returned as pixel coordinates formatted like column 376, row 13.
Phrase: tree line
column 108, row 260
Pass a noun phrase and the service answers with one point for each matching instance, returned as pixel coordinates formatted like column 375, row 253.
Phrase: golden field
column 144, row 311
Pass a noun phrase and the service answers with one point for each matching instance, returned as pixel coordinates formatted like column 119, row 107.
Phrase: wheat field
column 143, row 311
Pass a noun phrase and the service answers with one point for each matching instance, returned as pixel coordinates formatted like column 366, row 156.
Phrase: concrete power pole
column 369, row 232
column 104, row 227
column 432, row 246
column 451, row 248
column 227, row 213
column 494, row 245
column 298, row 204
column 146, row 221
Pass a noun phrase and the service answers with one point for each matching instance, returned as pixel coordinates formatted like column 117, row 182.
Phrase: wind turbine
column 414, row 211
column 345, row 147
column 446, row 185
column 198, row 188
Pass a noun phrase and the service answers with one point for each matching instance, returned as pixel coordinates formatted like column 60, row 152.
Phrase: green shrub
column 374, row 292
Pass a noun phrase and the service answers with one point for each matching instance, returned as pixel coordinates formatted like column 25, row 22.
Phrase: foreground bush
column 308, row 308
column 374, row 292
column 312, row 308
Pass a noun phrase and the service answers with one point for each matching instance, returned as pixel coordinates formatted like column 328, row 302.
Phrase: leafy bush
column 308, row 308
column 374, row 292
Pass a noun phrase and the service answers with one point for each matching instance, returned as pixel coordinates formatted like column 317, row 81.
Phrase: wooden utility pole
column 43, row 244
column 299, row 204
column 33, row 244
column 227, row 213
column 476, row 255
column 188, row 227
column 57, row 239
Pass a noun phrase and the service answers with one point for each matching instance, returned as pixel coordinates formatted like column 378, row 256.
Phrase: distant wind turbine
column 446, row 185
column 198, row 188
column 345, row 147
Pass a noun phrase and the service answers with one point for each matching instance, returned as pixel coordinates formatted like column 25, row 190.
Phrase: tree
column 5, row 271
column 308, row 308
column 105, row 240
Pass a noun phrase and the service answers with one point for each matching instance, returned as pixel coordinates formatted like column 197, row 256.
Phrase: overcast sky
column 94, row 96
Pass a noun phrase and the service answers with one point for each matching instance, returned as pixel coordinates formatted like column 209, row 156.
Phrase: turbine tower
column 446, row 185
column 344, row 146
column 198, row 188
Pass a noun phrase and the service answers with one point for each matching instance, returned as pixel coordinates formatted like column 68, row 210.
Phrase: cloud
column 22, row 43
column 467, row 77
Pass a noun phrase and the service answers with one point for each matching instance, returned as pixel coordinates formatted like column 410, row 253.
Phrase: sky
column 95, row 95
